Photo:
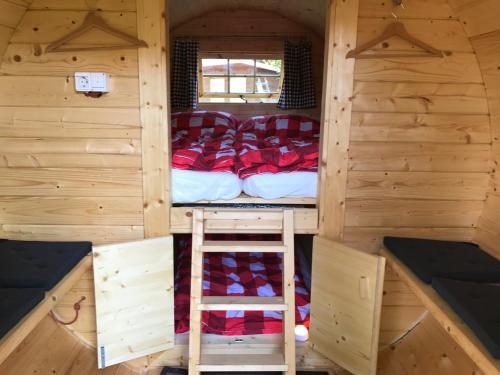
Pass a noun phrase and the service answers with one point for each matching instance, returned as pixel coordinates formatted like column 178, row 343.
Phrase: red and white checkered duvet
column 237, row 274
column 277, row 143
column 204, row 141
column 219, row 142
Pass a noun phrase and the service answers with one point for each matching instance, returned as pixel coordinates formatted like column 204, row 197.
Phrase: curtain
column 298, row 85
column 184, row 90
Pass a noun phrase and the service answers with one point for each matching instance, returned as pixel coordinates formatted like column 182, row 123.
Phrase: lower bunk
column 249, row 274
column 459, row 284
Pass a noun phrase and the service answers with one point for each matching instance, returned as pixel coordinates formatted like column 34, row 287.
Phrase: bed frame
column 442, row 312
column 16, row 335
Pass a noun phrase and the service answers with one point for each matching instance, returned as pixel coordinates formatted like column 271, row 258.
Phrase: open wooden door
column 134, row 293
column 346, row 301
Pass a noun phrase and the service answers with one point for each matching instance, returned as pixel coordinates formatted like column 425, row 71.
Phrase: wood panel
column 69, row 145
column 134, row 296
column 78, row 182
column 48, row 91
column 51, row 349
column 45, row 26
column 111, row 5
column 28, row 59
column 70, row 165
column 418, row 185
column 487, row 47
column 459, row 67
column 442, row 34
column 419, row 157
column 421, row 127
column 412, row 213
column 347, row 290
column 338, row 85
column 98, row 234
column 11, row 13
column 71, row 210
column 478, row 17
column 423, row 9
column 419, row 98
column 306, row 220
column 155, row 117
column 70, row 160
column 428, row 349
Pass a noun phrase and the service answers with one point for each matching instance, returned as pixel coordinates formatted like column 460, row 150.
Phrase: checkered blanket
column 237, row 274
column 277, row 143
column 194, row 125
column 204, row 141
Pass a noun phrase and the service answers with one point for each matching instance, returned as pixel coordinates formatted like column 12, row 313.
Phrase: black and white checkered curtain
column 298, row 85
column 185, row 74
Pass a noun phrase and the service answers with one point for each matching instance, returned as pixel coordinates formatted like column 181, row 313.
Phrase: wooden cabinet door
column 346, row 301
column 134, row 297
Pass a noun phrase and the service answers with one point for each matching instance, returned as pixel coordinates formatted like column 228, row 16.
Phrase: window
column 240, row 80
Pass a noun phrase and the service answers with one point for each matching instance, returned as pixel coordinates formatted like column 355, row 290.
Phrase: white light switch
column 91, row 82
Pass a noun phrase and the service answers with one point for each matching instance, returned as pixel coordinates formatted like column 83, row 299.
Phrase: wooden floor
column 50, row 349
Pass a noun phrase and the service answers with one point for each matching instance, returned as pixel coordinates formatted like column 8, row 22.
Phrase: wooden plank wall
column 11, row 12
column 419, row 157
column 480, row 20
column 212, row 26
column 70, row 165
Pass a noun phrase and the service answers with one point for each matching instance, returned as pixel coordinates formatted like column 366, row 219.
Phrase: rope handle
column 77, row 306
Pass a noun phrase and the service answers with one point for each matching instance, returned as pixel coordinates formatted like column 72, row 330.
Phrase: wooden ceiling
column 310, row 13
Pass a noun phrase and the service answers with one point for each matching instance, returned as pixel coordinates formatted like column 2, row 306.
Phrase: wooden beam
column 153, row 83
column 17, row 334
column 336, row 115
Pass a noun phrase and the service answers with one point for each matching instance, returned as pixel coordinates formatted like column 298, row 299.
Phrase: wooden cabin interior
column 394, row 131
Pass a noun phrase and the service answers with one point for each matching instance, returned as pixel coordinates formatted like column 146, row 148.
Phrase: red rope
column 77, row 306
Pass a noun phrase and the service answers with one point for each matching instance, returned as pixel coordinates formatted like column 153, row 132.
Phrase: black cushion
column 15, row 303
column 35, row 264
column 478, row 305
column 452, row 260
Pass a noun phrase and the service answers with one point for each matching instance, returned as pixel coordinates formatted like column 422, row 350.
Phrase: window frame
column 228, row 95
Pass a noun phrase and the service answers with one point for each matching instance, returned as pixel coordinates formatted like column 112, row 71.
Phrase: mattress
column 237, row 274
column 474, row 303
column 38, row 264
column 15, row 303
column 193, row 186
column 453, row 260
column 280, row 185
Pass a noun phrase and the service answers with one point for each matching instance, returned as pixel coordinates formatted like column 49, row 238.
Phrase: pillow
column 282, row 126
column 204, row 123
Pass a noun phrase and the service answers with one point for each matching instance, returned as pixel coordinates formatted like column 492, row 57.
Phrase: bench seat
column 410, row 268
column 452, row 260
column 478, row 305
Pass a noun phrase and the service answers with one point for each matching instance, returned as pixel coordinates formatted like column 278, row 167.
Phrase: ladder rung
column 240, row 362
column 243, row 246
column 237, row 303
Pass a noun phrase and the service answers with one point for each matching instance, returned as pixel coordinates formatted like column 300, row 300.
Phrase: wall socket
column 91, row 82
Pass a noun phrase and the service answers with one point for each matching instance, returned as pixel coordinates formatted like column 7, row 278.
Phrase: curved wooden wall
column 420, row 155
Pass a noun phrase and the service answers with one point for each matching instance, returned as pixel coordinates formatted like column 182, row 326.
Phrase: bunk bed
column 253, row 274
column 271, row 159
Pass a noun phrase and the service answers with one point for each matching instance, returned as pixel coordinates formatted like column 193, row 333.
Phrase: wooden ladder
column 242, row 221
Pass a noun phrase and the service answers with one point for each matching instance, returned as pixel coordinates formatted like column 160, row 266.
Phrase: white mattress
column 280, row 185
column 193, row 186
